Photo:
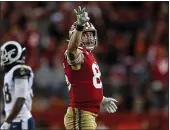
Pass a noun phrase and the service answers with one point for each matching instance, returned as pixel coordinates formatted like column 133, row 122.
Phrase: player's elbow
column 71, row 55
column 20, row 101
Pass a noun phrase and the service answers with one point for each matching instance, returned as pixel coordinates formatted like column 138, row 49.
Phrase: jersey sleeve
column 78, row 60
column 22, row 73
column 20, row 77
column 21, row 87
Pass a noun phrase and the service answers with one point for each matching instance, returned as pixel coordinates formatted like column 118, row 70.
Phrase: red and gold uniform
column 85, row 91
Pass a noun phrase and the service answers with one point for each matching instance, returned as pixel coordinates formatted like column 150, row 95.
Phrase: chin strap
column 89, row 48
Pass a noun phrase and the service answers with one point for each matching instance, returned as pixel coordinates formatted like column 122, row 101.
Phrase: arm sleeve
column 78, row 60
column 21, row 87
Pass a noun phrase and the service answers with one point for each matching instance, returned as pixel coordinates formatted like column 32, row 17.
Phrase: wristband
column 79, row 28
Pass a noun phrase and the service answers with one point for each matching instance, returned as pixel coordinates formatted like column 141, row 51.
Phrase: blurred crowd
column 132, row 51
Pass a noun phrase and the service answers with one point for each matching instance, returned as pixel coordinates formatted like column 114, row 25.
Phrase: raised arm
column 82, row 18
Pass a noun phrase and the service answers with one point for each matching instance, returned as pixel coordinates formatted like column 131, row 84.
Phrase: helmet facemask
column 89, row 40
column 4, row 57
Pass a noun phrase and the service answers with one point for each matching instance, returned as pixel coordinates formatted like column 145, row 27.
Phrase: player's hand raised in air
column 109, row 104
column 82, row 16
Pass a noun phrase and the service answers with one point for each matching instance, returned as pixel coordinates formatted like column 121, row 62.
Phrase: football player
column 17, row 88
column 83, row 76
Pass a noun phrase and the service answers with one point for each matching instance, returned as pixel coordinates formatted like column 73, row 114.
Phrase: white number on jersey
column 97, row 74
column 96, row 78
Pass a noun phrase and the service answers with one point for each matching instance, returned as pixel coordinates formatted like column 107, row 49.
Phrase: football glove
column 5, row 126
column 82, row 16
column 109, row 105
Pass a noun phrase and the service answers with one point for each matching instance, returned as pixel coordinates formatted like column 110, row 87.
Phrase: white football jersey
column 9, row 94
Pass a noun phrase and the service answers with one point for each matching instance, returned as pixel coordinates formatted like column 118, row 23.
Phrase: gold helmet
column 88, row 27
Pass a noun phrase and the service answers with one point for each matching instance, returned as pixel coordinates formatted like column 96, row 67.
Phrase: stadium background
column 132, row 55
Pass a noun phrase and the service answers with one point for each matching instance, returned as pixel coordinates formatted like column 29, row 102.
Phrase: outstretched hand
column 109, row 105
column 82, row 16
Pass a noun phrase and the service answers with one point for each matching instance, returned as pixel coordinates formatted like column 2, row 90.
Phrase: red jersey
column 85, row 86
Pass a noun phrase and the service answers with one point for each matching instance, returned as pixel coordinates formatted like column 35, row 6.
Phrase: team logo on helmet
column 11, row 52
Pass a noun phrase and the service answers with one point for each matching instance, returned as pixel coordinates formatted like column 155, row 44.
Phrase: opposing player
column 17, row 88
column 83, row 76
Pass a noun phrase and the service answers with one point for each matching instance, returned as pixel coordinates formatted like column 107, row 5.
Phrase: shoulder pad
column 21, row 73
